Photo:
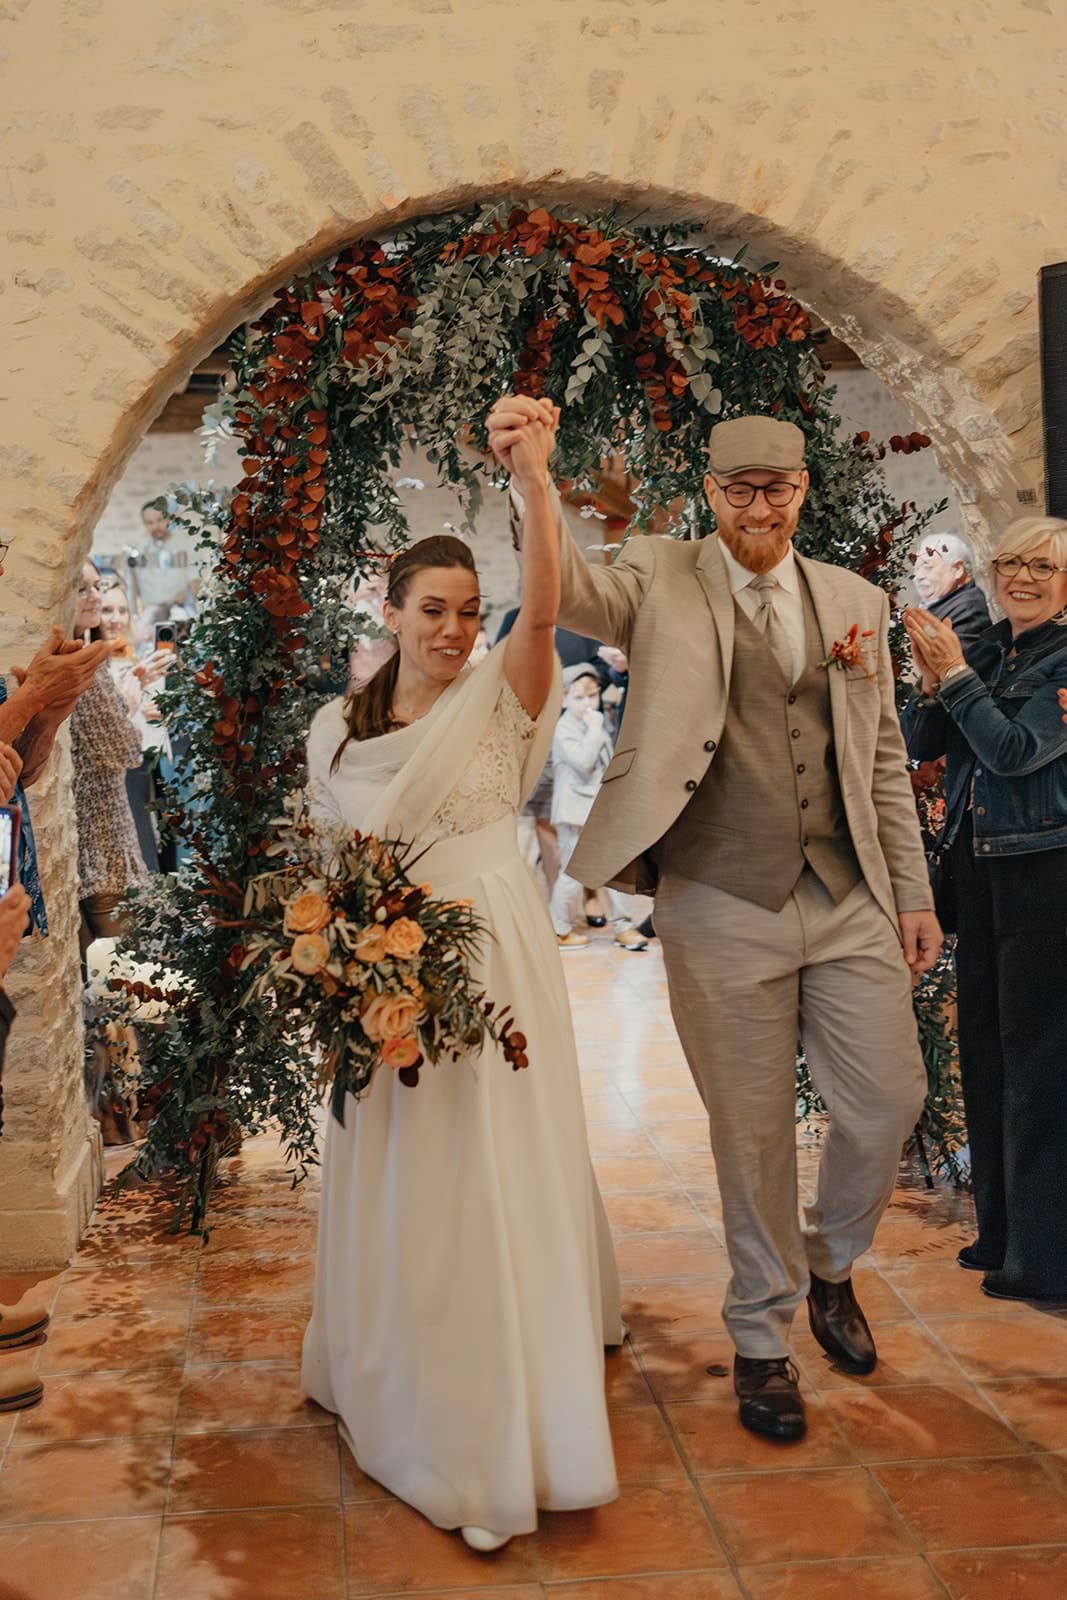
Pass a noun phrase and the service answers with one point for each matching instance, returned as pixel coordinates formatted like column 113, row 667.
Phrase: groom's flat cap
column 758, row 442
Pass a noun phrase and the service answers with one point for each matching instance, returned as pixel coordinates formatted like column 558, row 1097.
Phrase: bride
column 465, row 1284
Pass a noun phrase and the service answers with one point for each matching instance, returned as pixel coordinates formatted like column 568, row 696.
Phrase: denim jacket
column 1001, row 729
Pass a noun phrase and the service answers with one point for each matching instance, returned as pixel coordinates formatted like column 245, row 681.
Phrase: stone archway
column 168, row 170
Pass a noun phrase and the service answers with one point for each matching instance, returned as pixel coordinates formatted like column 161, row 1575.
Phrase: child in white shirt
column 581, row 751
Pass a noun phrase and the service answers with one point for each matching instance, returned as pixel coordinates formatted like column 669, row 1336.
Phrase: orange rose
column 310, row 953
column 370, row 944
column 402, row 1052
column 307, row 912
column 388, row 1016
column 404, row 938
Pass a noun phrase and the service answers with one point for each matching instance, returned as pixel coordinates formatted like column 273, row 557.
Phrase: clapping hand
column 522, row 436
column 61, row 670
column 934, row 645
column 10, row 767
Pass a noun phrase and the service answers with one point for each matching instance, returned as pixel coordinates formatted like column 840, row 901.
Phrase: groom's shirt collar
column 739, row 577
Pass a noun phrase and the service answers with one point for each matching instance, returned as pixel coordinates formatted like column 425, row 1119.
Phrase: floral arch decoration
column 645, row 335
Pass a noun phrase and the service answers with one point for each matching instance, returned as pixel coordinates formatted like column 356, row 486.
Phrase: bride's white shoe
column 483, row 1540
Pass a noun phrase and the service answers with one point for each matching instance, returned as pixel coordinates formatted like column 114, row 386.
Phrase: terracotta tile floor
column 174, row 1457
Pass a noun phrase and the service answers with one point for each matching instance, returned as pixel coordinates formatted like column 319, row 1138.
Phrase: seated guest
column 945, row 584
column 996, row 716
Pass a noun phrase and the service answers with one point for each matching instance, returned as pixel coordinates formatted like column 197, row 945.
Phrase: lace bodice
column 491, row 785
column 460, row 768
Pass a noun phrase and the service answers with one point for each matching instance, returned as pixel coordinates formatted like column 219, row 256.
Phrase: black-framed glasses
column 5, row 546
column 742, row 494
column 1040, row 570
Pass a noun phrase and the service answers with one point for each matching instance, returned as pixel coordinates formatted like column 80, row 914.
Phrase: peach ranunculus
column 307, row 912
column 309, row 953
column 388, row 1016
column 402, row 1052
column 370, row 944
column 404, row 938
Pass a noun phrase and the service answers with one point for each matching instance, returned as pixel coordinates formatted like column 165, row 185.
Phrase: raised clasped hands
column 522, row 436
column 934, row 646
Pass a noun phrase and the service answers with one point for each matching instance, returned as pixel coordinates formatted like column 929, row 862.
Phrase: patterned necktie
column 768, row 624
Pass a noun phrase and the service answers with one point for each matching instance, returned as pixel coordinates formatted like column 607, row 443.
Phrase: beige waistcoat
column 771, row 801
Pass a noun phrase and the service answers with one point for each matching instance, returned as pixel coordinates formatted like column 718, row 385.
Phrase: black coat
column 966, row 609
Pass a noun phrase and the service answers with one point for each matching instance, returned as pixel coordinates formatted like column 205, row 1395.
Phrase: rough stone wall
column 165, row 166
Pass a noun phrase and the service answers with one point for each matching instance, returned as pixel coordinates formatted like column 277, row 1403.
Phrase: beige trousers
column 744, row 984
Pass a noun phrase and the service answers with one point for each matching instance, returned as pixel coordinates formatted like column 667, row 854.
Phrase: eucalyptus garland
column 646, row 336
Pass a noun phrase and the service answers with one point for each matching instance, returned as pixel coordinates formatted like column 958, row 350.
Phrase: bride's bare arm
column 524, row 444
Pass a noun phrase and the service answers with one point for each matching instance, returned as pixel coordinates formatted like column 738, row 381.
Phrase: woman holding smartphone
column 104, row 745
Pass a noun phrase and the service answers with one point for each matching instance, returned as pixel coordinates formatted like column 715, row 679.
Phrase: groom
column 760, row 789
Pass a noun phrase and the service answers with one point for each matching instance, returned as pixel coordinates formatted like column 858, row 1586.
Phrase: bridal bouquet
column 370, row 970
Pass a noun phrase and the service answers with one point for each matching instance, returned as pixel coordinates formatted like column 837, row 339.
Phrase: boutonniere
column 850, row 653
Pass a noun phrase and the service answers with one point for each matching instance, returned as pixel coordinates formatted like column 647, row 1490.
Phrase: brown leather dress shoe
column 840, row 1326
column 22, row 1324
column 770, row 1397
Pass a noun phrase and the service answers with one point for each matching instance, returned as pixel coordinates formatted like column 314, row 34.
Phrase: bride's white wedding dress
column 465, row 1284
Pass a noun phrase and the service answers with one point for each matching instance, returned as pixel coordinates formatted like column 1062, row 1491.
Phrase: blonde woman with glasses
column 997, row 717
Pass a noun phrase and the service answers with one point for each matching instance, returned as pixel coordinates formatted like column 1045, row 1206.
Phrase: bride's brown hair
column 369, row 712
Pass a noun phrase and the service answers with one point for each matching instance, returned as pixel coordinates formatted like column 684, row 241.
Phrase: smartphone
column 166, row 637
column 10, row 822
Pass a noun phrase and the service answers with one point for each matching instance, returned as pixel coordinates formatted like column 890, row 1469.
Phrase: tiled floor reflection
column 174, row 1457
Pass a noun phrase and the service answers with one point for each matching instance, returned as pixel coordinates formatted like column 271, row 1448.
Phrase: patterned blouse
column 103, row 744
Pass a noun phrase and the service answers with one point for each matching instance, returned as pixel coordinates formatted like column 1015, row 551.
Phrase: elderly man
column 944, row 583
column 760, row 786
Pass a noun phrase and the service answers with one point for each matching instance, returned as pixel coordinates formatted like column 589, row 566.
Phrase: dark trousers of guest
column 1011, row 969
column 139, row 787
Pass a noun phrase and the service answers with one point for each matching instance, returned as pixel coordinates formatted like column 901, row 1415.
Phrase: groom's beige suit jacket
column 668, row 605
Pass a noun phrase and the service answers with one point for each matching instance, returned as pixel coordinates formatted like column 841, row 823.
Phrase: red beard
column 756, row 554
